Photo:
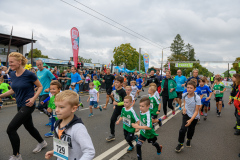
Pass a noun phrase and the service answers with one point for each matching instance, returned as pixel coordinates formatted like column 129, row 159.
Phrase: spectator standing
column 69, row 64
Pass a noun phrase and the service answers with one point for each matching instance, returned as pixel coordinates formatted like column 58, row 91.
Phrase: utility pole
column 162, row 63
column 32, row 51
column 10, row 40
column 139, row 59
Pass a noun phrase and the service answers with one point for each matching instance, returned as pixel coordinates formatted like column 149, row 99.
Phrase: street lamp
column 162, row 59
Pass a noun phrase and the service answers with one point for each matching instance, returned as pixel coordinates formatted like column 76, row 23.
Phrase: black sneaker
column 110, row 138
column 205, row 118
column 217, row 111
column 219, row 114
column 237, row 132
column 179, row 148
column 160, row 122
column 188, row 144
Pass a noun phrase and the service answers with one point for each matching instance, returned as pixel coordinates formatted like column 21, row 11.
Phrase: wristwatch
column 158, row 110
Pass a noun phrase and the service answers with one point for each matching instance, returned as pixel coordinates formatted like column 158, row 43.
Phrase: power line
column 109, row 23
column 116, row 22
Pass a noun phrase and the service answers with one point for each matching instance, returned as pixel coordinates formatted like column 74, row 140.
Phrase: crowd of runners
column 70, row 137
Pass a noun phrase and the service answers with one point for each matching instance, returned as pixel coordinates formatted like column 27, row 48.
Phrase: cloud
column 212, row 27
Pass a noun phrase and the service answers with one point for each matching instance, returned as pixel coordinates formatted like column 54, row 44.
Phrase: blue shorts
column 205, row 103
column 94, row 104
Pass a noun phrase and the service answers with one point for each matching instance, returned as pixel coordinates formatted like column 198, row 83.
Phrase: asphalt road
column 213, row 138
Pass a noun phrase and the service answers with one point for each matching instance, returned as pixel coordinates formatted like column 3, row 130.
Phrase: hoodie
column 79, row 141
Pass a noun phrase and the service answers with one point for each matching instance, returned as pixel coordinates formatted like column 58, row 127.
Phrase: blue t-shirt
column 198, row 91
column 74, row 79
column 93, row 75
column 73, row 90
column 180, row 81
column 113, row 88
column 45, row 77
column 205, row 91
column 23, row 86
column 139, row 83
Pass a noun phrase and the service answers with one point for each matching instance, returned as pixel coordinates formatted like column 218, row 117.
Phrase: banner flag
column 75, row 44
column 146, row 61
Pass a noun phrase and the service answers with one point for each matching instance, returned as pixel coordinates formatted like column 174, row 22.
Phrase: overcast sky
column 212, row 27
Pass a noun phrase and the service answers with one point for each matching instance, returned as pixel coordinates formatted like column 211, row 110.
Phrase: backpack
column 195, row 97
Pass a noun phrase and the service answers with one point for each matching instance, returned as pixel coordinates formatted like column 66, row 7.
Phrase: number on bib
column 54, row 113
column 217, row 91
column 127, row 121
column 60, row 148
column 151, row 106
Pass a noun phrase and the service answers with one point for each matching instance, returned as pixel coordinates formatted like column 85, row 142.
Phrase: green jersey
column 4, row 87
column 154, row 102
column 51, row 105
column 217, row 88
column 129, row 116
column 96, row 84
column 146, row 120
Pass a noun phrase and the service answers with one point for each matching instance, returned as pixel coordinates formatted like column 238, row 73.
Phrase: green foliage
column 236, row 66
column 84, row 60
column 189, row 52
column 177, row 47
column 125, row 53
column 36, row 54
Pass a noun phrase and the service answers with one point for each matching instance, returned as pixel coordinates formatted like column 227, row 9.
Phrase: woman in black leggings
column 23, row 82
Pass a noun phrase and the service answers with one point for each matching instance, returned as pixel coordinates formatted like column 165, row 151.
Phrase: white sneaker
column 41, row 112
column 13, row 157
column 40, row 146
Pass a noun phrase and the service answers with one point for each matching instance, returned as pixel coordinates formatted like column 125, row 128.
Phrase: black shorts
column 154, row 116
column 109, row 90
column 179, row 95
column 152, row 140
column 212, row 82
column 218, row 99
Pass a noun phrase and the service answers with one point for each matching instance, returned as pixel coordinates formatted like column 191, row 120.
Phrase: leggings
column 165, row 101
column 117, row 112
column 24, row 116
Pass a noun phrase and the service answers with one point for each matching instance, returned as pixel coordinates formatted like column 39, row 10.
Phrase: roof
column 16, row 41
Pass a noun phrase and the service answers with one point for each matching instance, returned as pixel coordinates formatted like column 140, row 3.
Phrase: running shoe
column 237, row 132
column 49, row 123
column 160, row 122
column 100, row 108
column 219, row 114
column 49, row 134
column 205, row 118
column 90, row 115
column 165, row 117
column 201, row 113
column 223, row 105
column 130, row 149
column 177, row 105
column 139, row 96
column 80, row 104
column 217, row 111
column 179, row 147
column 188, row 143
column 159, row 152
column 110, row 138
column 173, row 112
column 40, row 146
column 13, row 157
column 180, row 108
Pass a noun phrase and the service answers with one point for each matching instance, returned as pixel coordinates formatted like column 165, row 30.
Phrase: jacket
column 171, row 84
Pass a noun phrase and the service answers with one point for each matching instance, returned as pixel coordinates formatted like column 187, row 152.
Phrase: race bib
column 60, row 148
column 141, row 124
column 151, row 106
column 127, row 121
column 205, row 95
column 54, row 113
column 91, row 96
column 217, row 91
column 116, row 97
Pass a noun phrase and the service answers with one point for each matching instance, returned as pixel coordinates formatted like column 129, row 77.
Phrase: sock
column 205, row 114
column 157, row 147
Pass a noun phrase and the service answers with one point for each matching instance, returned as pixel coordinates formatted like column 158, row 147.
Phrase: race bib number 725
column 60, row 148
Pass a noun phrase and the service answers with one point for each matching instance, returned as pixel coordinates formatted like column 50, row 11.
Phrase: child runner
column 118, row 105
column 218, row 90
column 207, row 93
column 139, row 85
column 155, row 106
column 207, row 83
column 147, row 132
column 128, row 92
column 124, row 85
column 96, row 83
column 134, row 89
column 156, row 93
column 73, row 88
column 4, row 87
column 69, row 128
column 192, row 103
column 55, row 88
column 94, row 99
column 129, row 116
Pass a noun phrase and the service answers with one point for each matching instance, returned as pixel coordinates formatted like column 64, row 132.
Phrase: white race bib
column 54, row 113
column 60, row 148
column 127, row 121
column 217, row 91
column 205, row 95
column 116, row 97
column 151, row 106
column 141, row 124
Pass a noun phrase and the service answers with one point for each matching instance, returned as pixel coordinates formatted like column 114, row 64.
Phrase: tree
column 84, row 60
column 36, row 54
column 236, row 66
column 177, row 47
column 190, row 54
column 126, row 54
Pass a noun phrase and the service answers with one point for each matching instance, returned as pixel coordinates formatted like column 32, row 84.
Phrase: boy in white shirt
column 134, row 89
column 94, row 99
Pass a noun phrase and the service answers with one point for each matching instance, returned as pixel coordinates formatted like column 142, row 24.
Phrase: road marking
column 124, row 151
column 122, row 143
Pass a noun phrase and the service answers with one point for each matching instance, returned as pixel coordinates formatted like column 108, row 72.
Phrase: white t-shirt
column 93, row 94
column 134, row 90
column 132, row 97
column 190, row 104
